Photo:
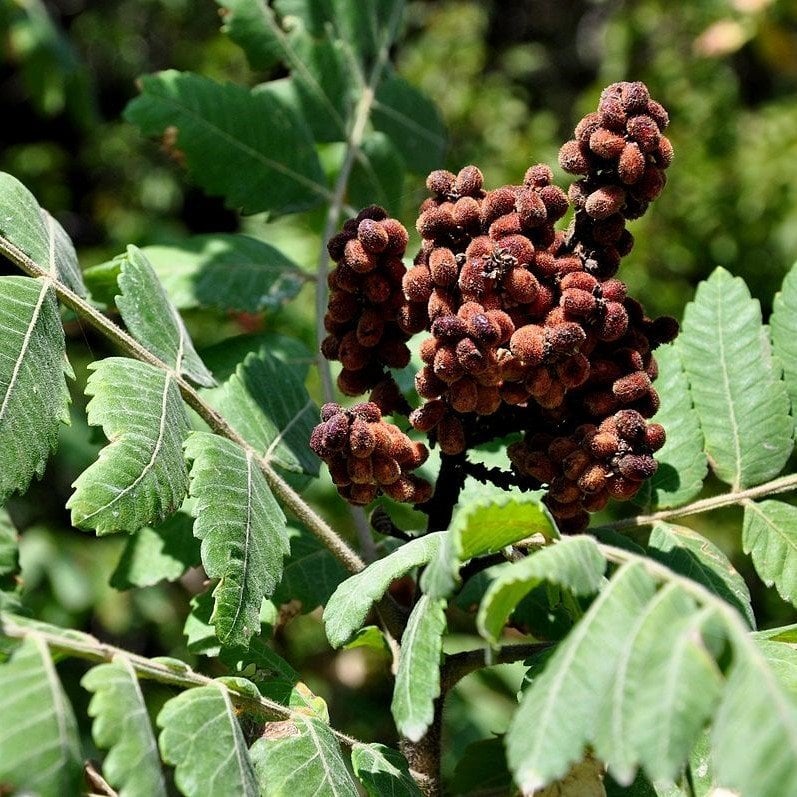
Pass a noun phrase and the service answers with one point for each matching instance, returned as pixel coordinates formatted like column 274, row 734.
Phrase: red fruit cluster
column 528, row 325
column 364, row 300
column 591, row 465
column 622, row 152
column 368, row 456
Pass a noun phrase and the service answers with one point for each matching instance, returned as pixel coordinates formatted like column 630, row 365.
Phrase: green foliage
column 383, row 771
column 202, row 739
column 39, row 742
column 418, row 676
column 251, row 147
column 649, row 665
column 153, row 321
column 141, row 477
column 122, row 726
column 347, row 608
column 735, row 383
column 242, row 529
column 33, row 394
column 295, row 752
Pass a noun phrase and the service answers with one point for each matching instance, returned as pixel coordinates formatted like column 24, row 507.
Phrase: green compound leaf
column 152, row 555
column 268, row 405
column 301, row 756
column 141, row 477
column 34, row 231
column 251, row 147
column 412, row 122
column 121, row 726
column 769, row 535
column 692, row 555
column 574, row 563
column 665, row 686
column 682, row 463
column 202, row 739
column 783, row 328
column 39, row 743
column 243, row 533
column 735, row 383
column 558, row 713
column 152, row 319
column 34, row 400
column 382, row 771
column 349, row 605
column 418, row 677
column 486, row 524
column 780, row 655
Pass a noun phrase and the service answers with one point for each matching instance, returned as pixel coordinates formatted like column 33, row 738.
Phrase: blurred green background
column 511, row 78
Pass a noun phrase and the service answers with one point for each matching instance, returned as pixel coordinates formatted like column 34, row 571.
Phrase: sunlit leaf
column 735, row 383
column 202, row 739
column 347, row 608
column 770, row 537
column 242, row 529
column 39, row 743
column 418, row 678
column 140, row 478
column 121, row 726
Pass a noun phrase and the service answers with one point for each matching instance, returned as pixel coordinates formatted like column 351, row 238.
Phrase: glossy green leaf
column 251, row 147
column 382, row 771
column 769, row 535
column 783, row 328
column 33, row 230
column 575, row 563
column 735, row 383
column 301, row 756
column 682, row 463
column 153, row 320
column 349, row 605
column 122, row 727
column 418, row 677
column 242, row 529
column 559, row 712
column 202, row 739
column 163, row 553
column 411, row 121
column 692, row 555
column 39, row 742
column 140, row 478
column 268, row 405
column 34, row 400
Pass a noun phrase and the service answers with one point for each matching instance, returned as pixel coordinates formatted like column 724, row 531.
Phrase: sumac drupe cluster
column 527, row 327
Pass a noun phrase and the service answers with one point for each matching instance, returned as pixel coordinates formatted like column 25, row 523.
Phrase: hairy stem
column 217, row 423
column 85, row 646
column 457, row 665
column 423, row 756
column 781, row 485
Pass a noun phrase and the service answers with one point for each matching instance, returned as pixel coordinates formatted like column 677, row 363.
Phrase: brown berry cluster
column 529, row 328
column 622, row 152
column 364, row 300
column 368, row 456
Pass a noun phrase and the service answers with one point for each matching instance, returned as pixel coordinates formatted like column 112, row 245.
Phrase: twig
column 783, row 485
column 457, row 665
column 217, row 423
